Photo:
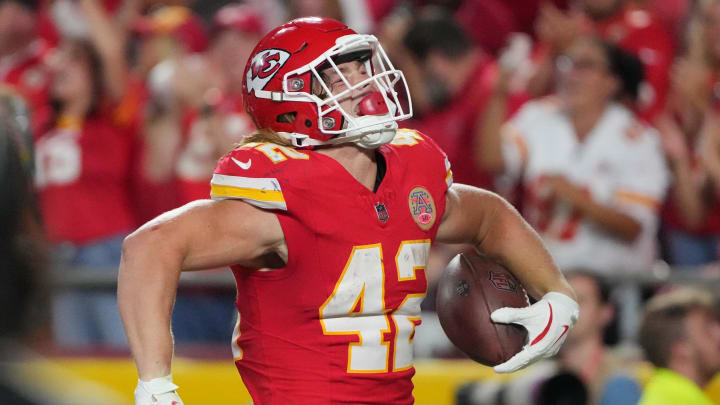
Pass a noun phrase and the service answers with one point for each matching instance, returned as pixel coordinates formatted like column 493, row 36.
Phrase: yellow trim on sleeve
column 249, row 193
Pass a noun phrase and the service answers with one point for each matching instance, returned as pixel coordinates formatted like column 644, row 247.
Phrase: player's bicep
column 209, row 234
column 468, row 213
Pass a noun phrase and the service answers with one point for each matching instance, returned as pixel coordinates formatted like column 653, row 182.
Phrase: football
column 470, row 289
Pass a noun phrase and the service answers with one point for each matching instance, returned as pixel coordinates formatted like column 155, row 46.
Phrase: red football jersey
column 336, row 324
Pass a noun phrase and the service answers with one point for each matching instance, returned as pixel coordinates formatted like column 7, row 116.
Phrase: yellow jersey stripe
column 244, row 192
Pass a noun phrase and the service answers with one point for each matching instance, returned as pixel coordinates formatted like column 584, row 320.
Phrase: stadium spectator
column 161, row 41
column 21, row 57
column 287, row 216
column 621, row 22
column 593, row 175
column 84, row 171
column 691, row 230
column 450, row 80
column 23, row 279
column 606, row 373
column 680, row 335
column 171, row 40
column 215, row 121
column 199, row 103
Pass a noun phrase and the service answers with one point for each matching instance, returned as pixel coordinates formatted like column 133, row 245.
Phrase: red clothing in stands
column 639, row 32
column 453, row 126
column 83, row 177
column 199, row 154
column 25, row 72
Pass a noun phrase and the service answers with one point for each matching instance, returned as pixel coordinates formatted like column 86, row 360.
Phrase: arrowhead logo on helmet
column 264, row 66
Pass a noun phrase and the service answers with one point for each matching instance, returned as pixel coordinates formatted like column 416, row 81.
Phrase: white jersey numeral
column 58, row 159
column 357, row 307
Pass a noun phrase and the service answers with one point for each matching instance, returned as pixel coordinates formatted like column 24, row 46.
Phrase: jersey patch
column 422, row 208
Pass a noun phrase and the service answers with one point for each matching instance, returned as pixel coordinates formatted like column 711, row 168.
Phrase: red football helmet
column 286, row 66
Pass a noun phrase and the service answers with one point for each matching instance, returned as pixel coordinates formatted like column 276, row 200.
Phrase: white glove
column 547, row 322
column 158, row 391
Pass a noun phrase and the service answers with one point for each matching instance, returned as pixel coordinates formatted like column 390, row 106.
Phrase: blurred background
column 114, row 111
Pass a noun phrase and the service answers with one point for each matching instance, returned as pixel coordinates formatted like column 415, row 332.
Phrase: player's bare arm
column 187, row 238
column 491, row 224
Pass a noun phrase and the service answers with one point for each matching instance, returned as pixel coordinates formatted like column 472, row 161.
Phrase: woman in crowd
column 688, row 128
column 84, row 165
column 593, row 174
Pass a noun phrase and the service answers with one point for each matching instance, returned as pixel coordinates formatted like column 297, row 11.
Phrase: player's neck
column 359, row 162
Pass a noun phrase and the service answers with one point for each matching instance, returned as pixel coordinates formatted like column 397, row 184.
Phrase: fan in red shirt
column 220, row 121
column 451, row 80
column 689, row 129
column 84, row 167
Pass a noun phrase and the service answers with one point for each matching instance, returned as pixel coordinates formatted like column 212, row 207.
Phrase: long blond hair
column 267, row 135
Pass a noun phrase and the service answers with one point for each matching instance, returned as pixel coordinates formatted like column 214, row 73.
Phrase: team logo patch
column 263, row 67
column 502, row 281
column 382, row 213
column 422, row 208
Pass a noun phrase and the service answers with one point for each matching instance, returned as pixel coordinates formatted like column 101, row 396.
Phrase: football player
column 326, row 216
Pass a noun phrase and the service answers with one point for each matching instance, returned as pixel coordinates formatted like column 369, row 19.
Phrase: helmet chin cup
column 376, row 131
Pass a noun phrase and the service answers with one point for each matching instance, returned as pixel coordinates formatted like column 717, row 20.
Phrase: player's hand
column 158, row 391
column 547, row 322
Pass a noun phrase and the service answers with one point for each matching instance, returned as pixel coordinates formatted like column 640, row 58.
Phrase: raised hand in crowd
column 555, row 28
column 710, row 146
column 687, row 192
column 109, row 41
column 689, row 79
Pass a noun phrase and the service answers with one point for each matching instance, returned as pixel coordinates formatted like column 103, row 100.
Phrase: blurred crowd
column 598, row 119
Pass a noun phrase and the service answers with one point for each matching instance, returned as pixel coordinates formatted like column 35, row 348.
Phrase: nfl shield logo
column 503, row 281
column 381, row 212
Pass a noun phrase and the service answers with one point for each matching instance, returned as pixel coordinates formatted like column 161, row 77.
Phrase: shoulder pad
column 254, row 173
column 425, row 146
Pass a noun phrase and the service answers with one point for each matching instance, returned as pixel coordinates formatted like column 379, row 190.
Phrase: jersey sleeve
column 247, row 174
